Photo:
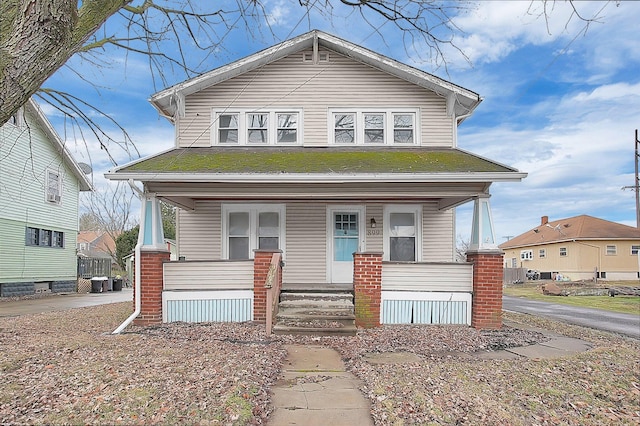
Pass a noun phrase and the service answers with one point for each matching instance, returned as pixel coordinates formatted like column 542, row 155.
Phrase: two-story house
column 342, row 160
column 39, row 195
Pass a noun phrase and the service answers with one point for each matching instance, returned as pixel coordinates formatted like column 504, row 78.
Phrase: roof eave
column 467, row 99
column 468, row 177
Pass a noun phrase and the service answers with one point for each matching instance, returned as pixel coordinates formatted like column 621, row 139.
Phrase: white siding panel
column 437, row 230
column 208, row 275
column 401, row 307
column 314, row 88
column 207, row 306
column 199, row 232
column 306, row 244
column 427, row 277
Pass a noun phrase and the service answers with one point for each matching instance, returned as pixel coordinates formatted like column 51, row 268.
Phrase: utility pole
column 636, row 186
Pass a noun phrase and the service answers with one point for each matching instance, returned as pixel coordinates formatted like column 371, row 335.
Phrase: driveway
column 625, row 324
column 61, row 302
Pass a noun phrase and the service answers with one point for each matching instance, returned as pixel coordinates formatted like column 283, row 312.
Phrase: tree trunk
column 37, row 37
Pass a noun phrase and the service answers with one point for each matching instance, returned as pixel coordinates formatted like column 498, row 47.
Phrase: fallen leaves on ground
column 66, row 367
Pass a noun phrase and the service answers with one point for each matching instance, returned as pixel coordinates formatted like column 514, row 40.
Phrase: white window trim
column 272, row 126
column 614, row 252
column 526, row 255
column 637, row 249
column 53, row 198
column 388, row 125
column 542, row 253
column 416, row 209
column 253, row 210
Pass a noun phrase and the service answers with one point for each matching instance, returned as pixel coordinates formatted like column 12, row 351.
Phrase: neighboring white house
column 39, row 191
column 318, row 148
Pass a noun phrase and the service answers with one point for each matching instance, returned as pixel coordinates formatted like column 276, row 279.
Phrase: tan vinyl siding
column 437, row 230
column 290, row 83
column 427, row 277
column 374, row 236
column 221, row 275
column 199, row 232
column 306, row 243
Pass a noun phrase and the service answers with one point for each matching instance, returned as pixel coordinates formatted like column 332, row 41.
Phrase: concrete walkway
column 62, row 301
column 315, row 390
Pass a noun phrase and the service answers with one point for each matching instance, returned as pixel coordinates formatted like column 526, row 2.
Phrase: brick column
column 261, row 263
column 367, row 287
column 151, row 285
column 486, row 309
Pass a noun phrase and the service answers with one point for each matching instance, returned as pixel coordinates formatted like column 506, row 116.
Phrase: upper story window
column 245, row 127
column 526, row 255
column 563, row 251
column 634, row 250
column 612, row 250
column 542, row 253
column 17, row 119
column 373, row 127
column 54, row 186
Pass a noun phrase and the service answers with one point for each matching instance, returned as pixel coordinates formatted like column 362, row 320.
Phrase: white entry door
column 345, row 236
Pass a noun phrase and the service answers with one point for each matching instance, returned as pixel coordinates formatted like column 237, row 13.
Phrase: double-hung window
column 250, row 227
column 402, row 231
column 526, row 255
column 373, row 127
column 54, row 186
column 257, row 127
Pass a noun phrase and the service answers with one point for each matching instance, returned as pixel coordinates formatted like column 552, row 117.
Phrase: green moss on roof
column 313, row 160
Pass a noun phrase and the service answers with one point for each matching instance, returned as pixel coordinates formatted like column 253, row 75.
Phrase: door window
column 345, row 236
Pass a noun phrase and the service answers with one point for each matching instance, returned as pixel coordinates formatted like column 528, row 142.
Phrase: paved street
column 625, row 324
column 61, row 302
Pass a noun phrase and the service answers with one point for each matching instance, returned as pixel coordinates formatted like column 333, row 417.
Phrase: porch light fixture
column 373, row 222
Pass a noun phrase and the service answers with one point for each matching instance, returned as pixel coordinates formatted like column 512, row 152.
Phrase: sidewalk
column 62, row 301
column 316, row 391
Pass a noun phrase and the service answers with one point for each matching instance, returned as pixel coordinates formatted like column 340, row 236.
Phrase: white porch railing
column 426, row 293
column 208, row 275
column 451, row 277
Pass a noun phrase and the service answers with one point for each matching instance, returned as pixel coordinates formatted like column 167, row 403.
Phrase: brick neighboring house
column 98, row 244
column 339, row 160
column 578, row 248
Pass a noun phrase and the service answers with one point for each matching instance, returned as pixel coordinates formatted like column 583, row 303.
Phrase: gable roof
column 581, row 227
column 296, row 163
column 461, row 101
column 84, row 183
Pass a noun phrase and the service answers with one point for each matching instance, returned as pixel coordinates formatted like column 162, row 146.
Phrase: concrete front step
column 286, row 296
column 328, row 313
column 347, row 330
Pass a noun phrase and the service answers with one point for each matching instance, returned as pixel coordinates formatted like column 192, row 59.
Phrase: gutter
column 137, row 277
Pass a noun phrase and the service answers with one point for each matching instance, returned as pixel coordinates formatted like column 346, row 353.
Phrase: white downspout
column 138, row 298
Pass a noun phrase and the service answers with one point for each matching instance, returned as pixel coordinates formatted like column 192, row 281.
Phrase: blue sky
column 560, row 103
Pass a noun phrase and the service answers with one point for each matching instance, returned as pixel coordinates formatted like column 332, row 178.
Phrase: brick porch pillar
column 261, row 264
column 486, row 309
column 151, row 285
column 367, row 287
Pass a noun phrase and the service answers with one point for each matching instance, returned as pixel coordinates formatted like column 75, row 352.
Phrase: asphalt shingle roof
column 298, row 160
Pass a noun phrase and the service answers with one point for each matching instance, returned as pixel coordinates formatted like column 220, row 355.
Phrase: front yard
column 65, row 367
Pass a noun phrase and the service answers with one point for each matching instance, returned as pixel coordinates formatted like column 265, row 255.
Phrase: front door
column 346, row 236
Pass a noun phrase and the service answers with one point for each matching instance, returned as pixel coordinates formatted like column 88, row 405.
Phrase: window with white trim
column 249, row 227
column 612, row 250
column 526, row 255
column 542, row 253
column 402, row 233
column 563, row 251
column 17, row 119
column 373, row 127
column 257, row 127
column 634, row 250
column 54, row 187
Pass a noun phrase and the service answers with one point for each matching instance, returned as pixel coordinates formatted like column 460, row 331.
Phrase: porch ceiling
column 448, row 195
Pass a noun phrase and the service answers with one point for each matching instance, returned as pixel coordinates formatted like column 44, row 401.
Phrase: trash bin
column 117, row 284
column 99, row 284
column 96, row 285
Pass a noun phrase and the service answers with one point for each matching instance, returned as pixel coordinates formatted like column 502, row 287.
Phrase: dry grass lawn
column 64, row 367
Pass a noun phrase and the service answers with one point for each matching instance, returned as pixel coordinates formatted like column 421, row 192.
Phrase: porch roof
column 300, row 163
